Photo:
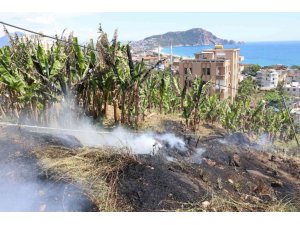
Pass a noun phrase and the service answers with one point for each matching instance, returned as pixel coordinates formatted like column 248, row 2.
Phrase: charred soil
column 230, row 174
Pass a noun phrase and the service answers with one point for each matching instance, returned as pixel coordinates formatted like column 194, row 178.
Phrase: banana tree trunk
column 68, row 73
column 115, row 105
column 183, row 94
column 3, row 114
column 149, row 103
column 123, row 107
column 136, row 103
column 46, row 112
column 35, row 116
column 161, row 105
column 14, row 111
column 129, row 107
column 105, row 103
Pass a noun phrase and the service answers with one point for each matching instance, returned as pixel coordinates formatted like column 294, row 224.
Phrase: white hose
column 53, row 128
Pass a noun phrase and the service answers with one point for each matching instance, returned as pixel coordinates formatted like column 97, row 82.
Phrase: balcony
column 220, row 73
column 220, row 85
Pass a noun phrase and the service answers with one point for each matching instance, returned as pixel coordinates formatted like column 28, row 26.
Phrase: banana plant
column 11, row 79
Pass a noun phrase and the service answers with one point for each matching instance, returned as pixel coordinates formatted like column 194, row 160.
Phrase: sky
column 246, row 27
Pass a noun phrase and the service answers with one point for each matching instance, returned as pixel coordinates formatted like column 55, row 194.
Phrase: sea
column 262, row 53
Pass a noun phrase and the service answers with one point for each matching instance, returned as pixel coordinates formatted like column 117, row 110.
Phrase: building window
column 294, row 89
column 186, row 70
column 206, row 71
column 288, row 89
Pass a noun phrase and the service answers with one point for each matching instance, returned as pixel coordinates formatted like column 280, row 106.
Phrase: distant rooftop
column 206, row 60
column 293, row 84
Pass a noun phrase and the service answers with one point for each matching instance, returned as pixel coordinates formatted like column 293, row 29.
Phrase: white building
column 293, row 75
column 292, row 88
column 267, row 79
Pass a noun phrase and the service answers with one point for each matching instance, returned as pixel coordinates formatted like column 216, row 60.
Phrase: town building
column 267, row 79
column 292, row 88
column 175, row 65
column 293, row 75
column 219, row 66
column 295, row 110
column 292, row 82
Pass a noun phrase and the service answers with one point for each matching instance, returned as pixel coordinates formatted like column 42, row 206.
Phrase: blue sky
column 136, row 26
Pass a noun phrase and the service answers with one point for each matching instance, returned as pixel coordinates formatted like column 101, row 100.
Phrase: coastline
column 165, row 54
column 175, row 55
column 262, row 53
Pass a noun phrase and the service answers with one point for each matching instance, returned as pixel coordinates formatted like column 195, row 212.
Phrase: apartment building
column 267, row 79
column 292, row 88
column 220, row 66
column 293, row 75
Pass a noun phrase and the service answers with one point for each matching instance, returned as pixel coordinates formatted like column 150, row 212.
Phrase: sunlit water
column 262, row 53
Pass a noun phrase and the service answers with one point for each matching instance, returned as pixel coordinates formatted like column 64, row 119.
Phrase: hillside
column 192, row 37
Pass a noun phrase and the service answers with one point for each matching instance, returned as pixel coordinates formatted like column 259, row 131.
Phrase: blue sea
column 262, row 53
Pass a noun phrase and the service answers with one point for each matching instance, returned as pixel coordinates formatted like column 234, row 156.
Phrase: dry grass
column 226, row 203
column 155, row 121
column 96, row 171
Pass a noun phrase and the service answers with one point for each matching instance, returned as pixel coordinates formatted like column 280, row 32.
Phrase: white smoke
column 263, row 142
column 27, row 194
column 138, row 143
column 197, row 157
column 22, row 190
column 90, row 135
column 25, row 191
column 222, row 141
column 172, row 141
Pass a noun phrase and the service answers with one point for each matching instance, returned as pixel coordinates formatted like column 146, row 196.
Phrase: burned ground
column 232, row 170
column 24, row 187
column 229, row 175
column 152, row 185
